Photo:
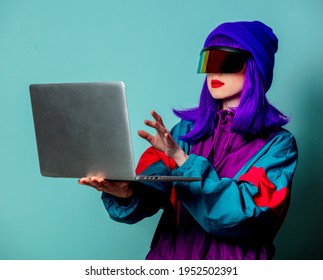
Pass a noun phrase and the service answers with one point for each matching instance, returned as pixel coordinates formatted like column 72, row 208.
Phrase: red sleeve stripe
column 152, row 155
column 268, row 195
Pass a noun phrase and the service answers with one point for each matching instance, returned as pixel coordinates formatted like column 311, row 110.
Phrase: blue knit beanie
column 255, row 37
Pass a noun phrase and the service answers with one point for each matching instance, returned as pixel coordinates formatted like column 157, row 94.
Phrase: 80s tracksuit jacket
column 236, row 210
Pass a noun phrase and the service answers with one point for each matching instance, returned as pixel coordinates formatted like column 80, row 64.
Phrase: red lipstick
column 216, row 84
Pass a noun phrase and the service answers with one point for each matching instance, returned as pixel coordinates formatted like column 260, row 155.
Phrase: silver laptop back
column 80, row 127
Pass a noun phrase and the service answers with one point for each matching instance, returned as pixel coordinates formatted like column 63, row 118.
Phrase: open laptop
column 82, row 130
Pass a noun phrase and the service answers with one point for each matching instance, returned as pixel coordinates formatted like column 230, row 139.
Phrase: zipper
column 225, row 150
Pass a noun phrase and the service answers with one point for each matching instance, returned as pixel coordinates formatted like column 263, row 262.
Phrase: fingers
column 157, row 117
column 84, row 181
column 157, row 124
column 154, row 124
column 117, row 188
column 93, row 182
column 145, row 135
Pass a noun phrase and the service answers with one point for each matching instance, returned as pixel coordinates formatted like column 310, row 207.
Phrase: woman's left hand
column 163, row 140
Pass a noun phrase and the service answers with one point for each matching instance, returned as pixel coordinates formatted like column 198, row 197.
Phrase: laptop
column 83, row 130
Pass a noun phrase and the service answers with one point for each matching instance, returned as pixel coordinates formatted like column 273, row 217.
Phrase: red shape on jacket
column 268, row 195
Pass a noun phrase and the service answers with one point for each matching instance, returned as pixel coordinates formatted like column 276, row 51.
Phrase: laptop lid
column 82, row 130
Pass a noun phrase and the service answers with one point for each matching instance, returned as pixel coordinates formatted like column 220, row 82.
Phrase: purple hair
column 253, row 116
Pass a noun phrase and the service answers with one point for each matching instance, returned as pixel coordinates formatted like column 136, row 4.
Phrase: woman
column 234, row 140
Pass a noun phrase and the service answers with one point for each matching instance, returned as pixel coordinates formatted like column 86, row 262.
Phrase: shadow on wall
column 301, row 236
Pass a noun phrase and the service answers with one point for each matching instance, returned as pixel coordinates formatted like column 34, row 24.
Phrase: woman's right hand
column 116, row 188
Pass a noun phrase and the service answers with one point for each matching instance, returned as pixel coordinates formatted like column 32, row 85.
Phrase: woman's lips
column 216, row 84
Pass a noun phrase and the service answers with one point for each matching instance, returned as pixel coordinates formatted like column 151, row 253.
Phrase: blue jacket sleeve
column 251, row 204
column 145, row 202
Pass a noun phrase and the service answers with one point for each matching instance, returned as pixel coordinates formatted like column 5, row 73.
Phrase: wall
column 153, row 46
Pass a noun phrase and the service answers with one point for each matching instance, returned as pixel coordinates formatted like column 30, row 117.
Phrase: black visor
column 222, row 60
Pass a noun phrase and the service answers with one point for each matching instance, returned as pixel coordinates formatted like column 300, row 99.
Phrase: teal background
column 153, row 46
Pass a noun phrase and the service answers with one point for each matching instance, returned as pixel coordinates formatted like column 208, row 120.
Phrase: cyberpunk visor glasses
column 222, row 60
